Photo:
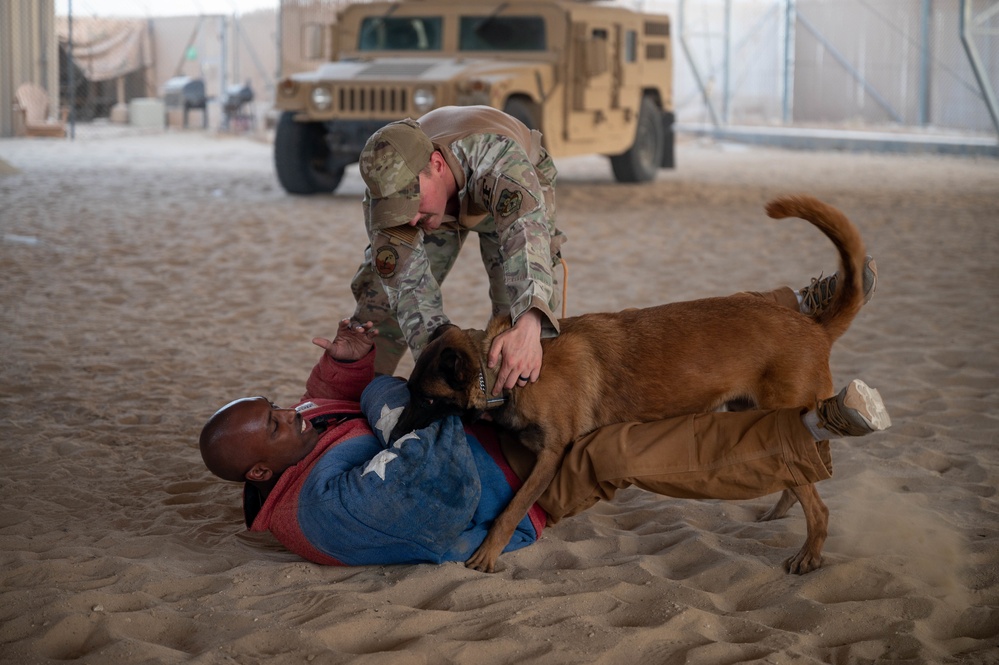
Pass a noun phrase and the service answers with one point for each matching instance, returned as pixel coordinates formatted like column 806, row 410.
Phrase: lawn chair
column 32, row 102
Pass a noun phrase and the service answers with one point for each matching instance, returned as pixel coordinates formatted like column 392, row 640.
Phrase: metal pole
column 787, row 103
column 924, row 65
column 976, row 63
column 726, row 76
column 72, row 77
column 41, row 24
column 280, row 44
column 223, row 45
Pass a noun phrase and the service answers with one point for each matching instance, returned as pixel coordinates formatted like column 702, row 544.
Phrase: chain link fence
column 853, row 64
column 914, row 65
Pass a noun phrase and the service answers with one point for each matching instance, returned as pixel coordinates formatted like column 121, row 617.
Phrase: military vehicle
column 594, row 79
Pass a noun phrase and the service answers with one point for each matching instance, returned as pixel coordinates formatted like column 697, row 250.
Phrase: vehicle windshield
column 403, row 33
column 502, row 33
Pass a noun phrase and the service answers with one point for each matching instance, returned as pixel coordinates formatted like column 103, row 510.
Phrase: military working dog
column 648, row 364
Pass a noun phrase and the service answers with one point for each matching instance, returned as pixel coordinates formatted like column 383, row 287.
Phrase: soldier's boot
column 815, row 297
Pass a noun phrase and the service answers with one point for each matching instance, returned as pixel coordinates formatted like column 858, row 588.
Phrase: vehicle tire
column 669, row 142
column 522, row 110
column 641, row 162
column 300, row 157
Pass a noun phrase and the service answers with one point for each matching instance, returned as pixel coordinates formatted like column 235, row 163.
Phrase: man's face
column 274, row 437
column 433, row 198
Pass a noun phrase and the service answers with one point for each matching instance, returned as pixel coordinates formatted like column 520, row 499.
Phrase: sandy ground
column 148, row 280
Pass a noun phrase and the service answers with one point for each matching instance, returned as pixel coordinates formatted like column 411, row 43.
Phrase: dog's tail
column 849, row 294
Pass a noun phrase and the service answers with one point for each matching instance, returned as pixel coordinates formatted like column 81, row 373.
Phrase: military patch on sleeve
column 386, row 261
column 509, row 202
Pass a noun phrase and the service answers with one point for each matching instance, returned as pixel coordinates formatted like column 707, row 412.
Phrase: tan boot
column 816, row 296
column 857, row 410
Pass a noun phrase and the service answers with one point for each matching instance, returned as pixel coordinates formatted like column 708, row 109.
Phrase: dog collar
column 487, row 378
column 491, row 401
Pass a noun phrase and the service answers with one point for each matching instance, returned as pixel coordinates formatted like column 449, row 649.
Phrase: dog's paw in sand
column 803, row 562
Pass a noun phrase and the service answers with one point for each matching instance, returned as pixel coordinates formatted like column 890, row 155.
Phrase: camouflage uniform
column 506, row 190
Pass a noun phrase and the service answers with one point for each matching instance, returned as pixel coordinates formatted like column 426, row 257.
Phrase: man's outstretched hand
column 353, row 341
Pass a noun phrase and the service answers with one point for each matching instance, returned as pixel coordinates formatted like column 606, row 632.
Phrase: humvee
column 593, row 79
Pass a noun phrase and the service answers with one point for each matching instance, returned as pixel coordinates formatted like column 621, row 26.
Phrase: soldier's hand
column 353, row 341
column 518, row 353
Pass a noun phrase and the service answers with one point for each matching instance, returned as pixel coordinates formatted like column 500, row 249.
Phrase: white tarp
column 106, row 48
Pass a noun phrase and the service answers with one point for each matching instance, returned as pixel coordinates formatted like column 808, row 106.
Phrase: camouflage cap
column 390, row 165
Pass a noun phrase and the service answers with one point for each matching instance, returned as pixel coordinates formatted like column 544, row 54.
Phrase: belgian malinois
column 649, row 364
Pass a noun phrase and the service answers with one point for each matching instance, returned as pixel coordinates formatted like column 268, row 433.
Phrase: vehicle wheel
column 641, row 162
column 669, row 142
column 300, row 157
column 521, row 110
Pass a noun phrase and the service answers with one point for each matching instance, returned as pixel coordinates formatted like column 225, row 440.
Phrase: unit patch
column 509, row 202
column 386, row 261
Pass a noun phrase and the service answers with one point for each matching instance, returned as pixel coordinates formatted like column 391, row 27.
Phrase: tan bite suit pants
column 742, row 455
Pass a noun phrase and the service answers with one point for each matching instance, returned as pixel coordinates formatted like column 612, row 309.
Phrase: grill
column 363, row 100
column 234, row 103
column 383, row 98
column 184, row 92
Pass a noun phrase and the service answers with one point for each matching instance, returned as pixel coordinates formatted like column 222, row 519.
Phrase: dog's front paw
column 803, row 562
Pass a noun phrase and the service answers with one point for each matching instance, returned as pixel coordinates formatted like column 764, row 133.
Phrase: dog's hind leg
column 809, row 557
column 784, row 503
column 484, row 558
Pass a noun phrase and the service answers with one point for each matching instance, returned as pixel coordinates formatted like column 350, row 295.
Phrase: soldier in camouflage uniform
column 476, row 168
column 459, row 169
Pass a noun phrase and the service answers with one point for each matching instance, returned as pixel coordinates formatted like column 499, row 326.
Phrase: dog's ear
column 440, row 330
column 456, row 368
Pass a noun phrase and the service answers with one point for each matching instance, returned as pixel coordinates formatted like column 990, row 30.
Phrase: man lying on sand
column 321, row 478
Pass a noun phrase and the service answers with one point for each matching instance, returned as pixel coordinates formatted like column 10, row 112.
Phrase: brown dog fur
column 649, row 364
